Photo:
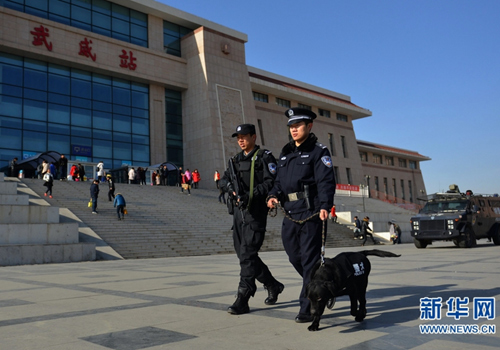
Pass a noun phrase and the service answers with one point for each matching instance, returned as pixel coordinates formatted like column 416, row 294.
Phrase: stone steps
column 31, row 233
column 163, row 222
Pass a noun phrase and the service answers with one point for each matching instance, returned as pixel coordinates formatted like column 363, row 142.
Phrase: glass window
column 172, row 33
column 257, row 96
column 11, row 106
column 10, row 138
column 81, row 88
column 122, row 150
column 122, row 123
column 35, row 79
column 102, row 148
column 59, row 143
column 92, row 15
column 10, row 90
column 120, row 26
column 6, row 122
column 34, row 125
column 81, row 132
column 35, row 110
column 140, row 152
column 101, row 92
column 101, row 6
column 283, row 103
column 117, row 109
column 389, row 160
column 80, row 14
column 11, row 75
column 121, row 96
column 324, row 113
column 140, row 126
column 59, row 84
column 68, row 115
column 122, row 137
column 59, row 8
column 301, row 105
column 341, row 117
column 102, row 120
column 140, row 100
column 101, row 20
column 35, row 94
column 59, row 129
column 143, row 140
column 81, row 117
column 34, row 141
column 60, row 99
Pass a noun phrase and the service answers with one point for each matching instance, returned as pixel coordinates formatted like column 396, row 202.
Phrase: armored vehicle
column 461, row 218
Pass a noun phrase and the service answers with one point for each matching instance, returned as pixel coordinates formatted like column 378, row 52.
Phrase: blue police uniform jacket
column 308, row 164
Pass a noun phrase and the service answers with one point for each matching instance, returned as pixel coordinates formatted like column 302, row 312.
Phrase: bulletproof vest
column 243, row 166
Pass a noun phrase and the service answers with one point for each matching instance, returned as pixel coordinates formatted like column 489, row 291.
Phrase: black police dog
column 346, row 274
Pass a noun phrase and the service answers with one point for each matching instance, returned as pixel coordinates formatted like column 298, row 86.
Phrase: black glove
column 243, row 202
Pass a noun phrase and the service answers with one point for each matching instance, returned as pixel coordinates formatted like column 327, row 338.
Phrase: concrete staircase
column 379, row 213
column 163, row 222
column 31, row 233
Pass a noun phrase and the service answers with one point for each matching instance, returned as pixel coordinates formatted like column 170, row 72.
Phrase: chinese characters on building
column 41, row 35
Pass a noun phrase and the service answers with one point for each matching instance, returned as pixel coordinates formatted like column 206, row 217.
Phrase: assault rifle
column 235, row 187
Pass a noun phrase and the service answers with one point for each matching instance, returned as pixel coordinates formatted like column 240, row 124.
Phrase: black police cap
column 244, row 129
column 298, row 114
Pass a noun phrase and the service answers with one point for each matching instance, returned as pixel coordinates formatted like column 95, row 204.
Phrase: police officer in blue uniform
column 249, row 212
column 305, row 186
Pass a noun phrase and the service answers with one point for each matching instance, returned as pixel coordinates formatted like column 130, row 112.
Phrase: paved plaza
column 180, row 303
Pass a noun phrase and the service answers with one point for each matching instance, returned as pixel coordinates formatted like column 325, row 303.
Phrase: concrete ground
column 180, row 303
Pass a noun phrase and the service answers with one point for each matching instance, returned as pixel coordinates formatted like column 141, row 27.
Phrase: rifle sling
column 252, row 175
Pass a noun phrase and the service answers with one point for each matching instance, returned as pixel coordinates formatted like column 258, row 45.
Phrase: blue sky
column 429, row 70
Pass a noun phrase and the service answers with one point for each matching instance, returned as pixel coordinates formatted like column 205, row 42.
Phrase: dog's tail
column 380, row 253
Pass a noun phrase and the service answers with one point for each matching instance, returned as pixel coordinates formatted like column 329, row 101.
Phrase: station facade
column 137, row 82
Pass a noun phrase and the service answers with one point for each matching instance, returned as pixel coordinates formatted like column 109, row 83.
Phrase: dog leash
column 274, row 211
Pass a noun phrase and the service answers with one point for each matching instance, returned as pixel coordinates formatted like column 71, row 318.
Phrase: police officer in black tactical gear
column 305, row 186
column 248, row 186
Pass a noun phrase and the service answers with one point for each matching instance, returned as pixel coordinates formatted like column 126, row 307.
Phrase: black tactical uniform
column 305, row 184
column 249, row 223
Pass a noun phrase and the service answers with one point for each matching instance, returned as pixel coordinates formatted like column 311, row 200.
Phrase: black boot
column 240, row 306
column 273, row 291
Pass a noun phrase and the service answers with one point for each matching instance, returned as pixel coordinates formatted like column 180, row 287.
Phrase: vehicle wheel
column 420, row 243
column 468, row 239
column 496, row 236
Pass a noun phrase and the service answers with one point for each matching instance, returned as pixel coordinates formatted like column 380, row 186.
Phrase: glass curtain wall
column 88, row 116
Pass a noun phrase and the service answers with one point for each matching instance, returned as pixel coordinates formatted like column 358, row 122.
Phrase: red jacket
column 196, row 176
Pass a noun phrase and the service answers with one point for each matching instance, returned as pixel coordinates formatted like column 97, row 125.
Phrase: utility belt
column 309, row 192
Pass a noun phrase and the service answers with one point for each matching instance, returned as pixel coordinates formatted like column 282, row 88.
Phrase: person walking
column 364, row 230
column 196, row 178
column 100, row 171
column 12, row 167
column 305, row 186
column 81, row 172
column 48, row 179
column 254, row 173
column 357, row 230
column 94, row 194
column 74, row 172
column 131, row 176
column 63, row 167
column 217, row 178
column 120, row 204
column 185, row 183
column 141, row 173
column 111, row 187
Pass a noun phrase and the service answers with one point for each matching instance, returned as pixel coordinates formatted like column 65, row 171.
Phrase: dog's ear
column 331, row 287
